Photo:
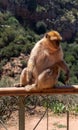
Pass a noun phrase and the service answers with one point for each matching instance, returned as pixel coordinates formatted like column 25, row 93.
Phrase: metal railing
column 21, row 92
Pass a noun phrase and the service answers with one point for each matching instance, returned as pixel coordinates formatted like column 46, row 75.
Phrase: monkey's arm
column 30, row 66
column 32, row 62
column 65, row 68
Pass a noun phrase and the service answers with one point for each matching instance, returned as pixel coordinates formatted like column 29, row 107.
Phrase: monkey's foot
column 30, row 87
column 18, row 85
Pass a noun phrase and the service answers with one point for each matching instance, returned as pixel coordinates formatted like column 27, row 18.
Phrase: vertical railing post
column 47, row 111
column 21, row 113
column 67, row 120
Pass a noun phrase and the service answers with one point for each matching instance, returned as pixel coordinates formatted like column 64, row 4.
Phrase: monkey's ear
column 50, row 37
column 47, row 36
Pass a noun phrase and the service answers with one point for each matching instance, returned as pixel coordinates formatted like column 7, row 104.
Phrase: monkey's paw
column 18, row 85
column 30, row 87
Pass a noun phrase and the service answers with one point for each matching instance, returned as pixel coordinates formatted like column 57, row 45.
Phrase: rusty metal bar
column 67, row 120
column 39, row 120
column 21, row 113
column 47, row 112
column 11, row 91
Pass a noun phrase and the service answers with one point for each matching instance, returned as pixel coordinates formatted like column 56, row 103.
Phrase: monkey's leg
column 23, row 78
column 48, row 78
column 45, row 80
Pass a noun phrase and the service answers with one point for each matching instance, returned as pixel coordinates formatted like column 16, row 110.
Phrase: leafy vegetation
column 14, row 39
column 59, row 125
column 41, row 27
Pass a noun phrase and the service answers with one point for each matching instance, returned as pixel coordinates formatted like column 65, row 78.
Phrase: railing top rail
column 21, row 91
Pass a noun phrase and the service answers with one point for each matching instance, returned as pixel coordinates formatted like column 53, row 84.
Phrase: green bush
column 9, row 35
column 27, row 48
column 11, row 51
column 41, row 27
column 6, row 82
column 70, row 58
column 40, row 9
column 20, row 39
column 12, row 21
column 58, row 107
column 7, row 106
column 2, row 43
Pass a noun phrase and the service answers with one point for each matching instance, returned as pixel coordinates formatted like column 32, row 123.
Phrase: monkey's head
column 54, row 37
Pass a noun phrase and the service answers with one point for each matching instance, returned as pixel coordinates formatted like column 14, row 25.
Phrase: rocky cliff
column 58, row 15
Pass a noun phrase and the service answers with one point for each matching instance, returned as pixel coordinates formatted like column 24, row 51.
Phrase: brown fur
column 45, row 62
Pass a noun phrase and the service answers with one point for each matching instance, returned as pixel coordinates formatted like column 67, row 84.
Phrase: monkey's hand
column 67, row 75
column 29, row 76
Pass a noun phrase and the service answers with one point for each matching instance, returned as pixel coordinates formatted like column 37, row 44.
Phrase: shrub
column 70, row 58
column 27, row 48
column 2, row 43
column 20, row 39
column 6, row 82
column 58, row 107
column 11, row 51
column 41, row 27
column 24, row 63
column 40, row 9
column 12, row 21
column 7, row 106
column 8, row 35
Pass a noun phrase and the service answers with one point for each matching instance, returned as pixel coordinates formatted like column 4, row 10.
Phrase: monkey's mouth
column 57, row 43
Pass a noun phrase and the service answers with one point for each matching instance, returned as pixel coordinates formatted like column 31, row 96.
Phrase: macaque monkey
column 44, row 65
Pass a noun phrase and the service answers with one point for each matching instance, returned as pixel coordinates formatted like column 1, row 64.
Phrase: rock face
column 15, row 66
column 58, row 15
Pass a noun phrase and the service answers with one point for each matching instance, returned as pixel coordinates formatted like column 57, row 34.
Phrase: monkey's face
column 54, row 37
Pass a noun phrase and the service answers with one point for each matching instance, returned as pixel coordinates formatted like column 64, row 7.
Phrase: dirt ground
column 55, row 122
